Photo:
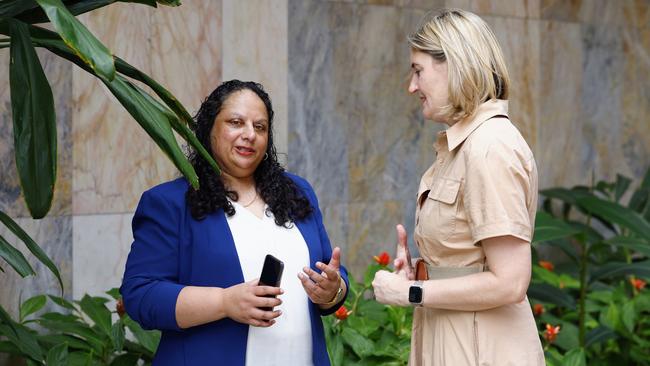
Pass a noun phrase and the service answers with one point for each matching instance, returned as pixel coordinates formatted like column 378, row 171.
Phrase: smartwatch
column 416, row 293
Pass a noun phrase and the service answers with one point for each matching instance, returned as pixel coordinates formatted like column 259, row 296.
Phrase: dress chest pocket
column 439, row 211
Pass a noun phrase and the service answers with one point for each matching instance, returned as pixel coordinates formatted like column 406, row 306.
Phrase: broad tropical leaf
column 616, row 213
column 15, row 258
column 79, row 38
column 149, row 339
column 549, row 228
column 598, row 335
column 31, row 306
column 151, row 116
column 58, row 355
column 637, row 244
column 20, row 336
column 616, row 269
column 97, row 312
column 11, row 8
column 575, row 357
column 547, row 293
column 34, row 119
column 31, row 245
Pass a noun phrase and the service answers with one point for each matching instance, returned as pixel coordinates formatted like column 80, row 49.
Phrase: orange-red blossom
column 383, row 259
column 342, row 313
column 551, row 332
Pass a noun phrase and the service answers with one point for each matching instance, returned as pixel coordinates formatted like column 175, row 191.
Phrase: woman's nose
column 249, row 132
column 413, row 87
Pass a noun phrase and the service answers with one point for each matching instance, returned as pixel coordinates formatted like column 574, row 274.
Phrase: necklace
column 251, row 202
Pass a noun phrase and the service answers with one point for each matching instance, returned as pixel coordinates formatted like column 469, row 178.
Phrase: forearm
column 200, row 305
column 480, row 291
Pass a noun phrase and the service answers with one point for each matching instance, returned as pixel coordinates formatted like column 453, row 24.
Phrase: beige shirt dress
column 483, row 184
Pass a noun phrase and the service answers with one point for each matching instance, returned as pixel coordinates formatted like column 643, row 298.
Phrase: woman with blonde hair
column 475, row 207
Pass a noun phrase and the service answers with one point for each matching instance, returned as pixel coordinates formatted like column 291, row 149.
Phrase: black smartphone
column 271, row 274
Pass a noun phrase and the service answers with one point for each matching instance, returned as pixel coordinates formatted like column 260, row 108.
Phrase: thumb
column 401, row 236
column 336, row 258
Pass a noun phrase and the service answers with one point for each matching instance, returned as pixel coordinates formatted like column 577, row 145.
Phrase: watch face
column 415, row 295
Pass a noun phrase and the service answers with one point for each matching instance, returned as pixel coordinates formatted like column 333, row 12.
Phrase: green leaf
column 15, row 258
column 72, row 341
column 117, row 336
column 628, row 316
column 127, row 359
column 114, row 293
column 617, row 214
column 575, row 357
column 80, row 39
column 148, row 339
column 97, row 312
column 75, row 328
column 636, row 244
column 31, row 306
column 32, row 106
column 8, row 347
column 169, row 2
column 155, row 120
column 361, row 345
column 549, row 228
column 58, row 355
column 599, row 335
column 550, row 294
column 336, row 355
column 621, row 186
column 20, row 336
column 62, row 302
column 31, row 245
column 11, row 8
column 617, row 269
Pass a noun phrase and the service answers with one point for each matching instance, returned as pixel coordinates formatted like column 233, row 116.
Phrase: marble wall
column 337, row 73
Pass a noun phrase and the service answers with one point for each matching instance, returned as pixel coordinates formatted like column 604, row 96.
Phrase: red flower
column 637, row 283
column 547, row 265
column 538, row 309
column 119, row 307
column 551, row 332
column 342, row 313
column 383, row 259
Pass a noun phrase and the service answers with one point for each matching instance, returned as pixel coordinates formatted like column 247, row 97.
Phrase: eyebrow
column 414, row 65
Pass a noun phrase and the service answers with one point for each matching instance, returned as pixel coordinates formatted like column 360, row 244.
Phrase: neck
column 238, row 184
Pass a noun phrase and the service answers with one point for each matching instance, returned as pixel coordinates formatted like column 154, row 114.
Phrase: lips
column 245, row 151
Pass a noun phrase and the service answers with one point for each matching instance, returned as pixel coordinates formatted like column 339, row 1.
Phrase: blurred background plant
column 365, row 332
column 591, row 304
column 83, row 332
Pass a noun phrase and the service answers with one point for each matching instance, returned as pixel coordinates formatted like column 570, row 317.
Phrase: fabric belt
column 425, row 271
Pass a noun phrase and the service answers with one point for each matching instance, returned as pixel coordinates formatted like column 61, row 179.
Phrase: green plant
column 83, row 333
column 596, row 296
column 34, row 115
column 365, row 332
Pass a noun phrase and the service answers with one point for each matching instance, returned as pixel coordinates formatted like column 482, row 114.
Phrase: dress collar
column 459, row 131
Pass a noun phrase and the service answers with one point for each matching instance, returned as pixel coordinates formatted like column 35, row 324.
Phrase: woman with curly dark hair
column 193, row 266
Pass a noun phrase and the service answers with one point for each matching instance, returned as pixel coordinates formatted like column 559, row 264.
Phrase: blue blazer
column 172, row 250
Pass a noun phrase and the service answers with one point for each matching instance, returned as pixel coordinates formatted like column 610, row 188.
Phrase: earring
column 266, row 156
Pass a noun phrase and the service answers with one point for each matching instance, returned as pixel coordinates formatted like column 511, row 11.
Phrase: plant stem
column 356, row 301
column 583, row 291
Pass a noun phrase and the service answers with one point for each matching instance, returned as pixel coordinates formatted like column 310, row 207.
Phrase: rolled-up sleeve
column 150, row 285
column 497, row 191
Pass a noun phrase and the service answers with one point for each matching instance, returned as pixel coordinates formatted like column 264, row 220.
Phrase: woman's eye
column 417, row 73
column 235, row 122
column 260, row 127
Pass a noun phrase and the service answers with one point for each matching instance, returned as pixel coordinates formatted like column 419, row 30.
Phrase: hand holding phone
column 271, row 274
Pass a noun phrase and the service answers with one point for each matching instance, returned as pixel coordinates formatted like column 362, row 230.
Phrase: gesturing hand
column 402, row 260
column 322, row 287
column 243, row 303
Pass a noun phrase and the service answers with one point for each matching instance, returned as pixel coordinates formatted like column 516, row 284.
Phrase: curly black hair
column 281, row 194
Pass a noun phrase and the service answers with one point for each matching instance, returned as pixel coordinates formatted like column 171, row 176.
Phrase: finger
column 267, row 290
column 335, row 262
column 316, row 277
column 401, row 236
column 313, row 291
column 398, row 263
column 329, row 272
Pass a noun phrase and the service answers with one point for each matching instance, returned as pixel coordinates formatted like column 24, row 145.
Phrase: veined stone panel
column 101, row 246
column 58, row 75
column 630, row 13
column 504, row 8
column 560, row 140
column 355, row 132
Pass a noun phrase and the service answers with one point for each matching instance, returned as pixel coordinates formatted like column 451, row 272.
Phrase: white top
column 288, row 341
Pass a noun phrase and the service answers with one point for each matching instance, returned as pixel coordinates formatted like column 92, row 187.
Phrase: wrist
column 338, row 295
column 415, row 294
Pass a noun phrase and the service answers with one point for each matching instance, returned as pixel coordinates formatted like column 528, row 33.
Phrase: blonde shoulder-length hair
column 477, row 70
